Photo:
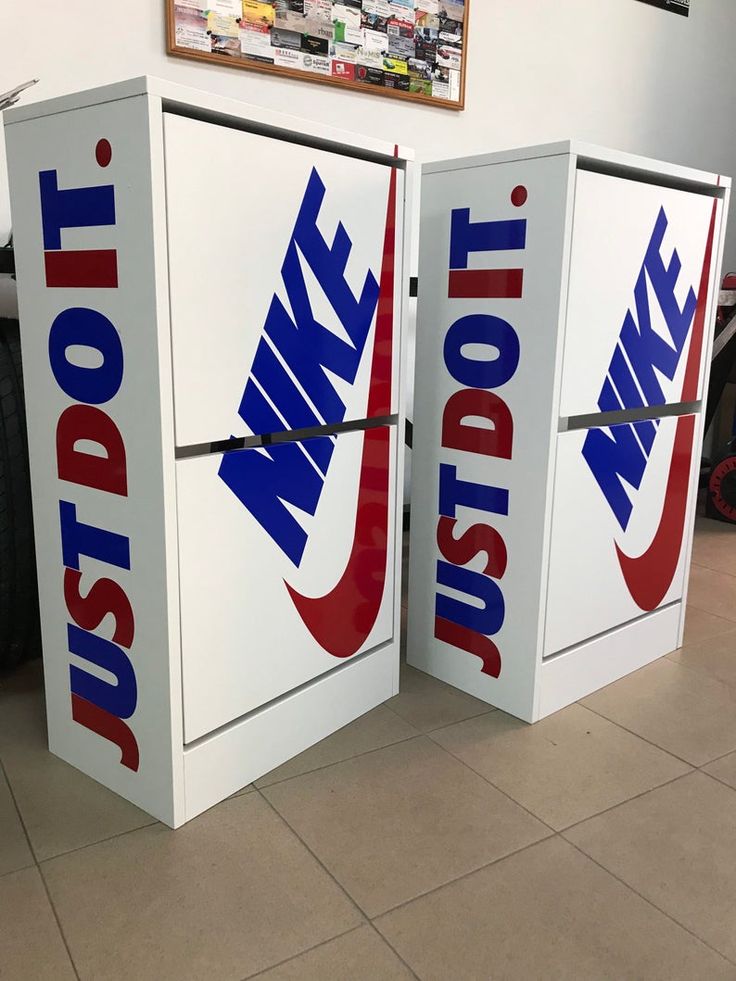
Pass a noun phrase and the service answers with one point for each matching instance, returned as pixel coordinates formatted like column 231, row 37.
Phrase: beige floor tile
column 547, row 913
column 31, row 946
column 714, row 592
column 675, row 846
column 714, row 545
column 378, row 728
column 398, row 822
column 700, row 626
column 724, row 769
column 229, row 894
column 14, row 851
column 358, row 956
column 715, row 657
column 427, row 703
column 679, row 710
column 61, row 808
column 566, row 767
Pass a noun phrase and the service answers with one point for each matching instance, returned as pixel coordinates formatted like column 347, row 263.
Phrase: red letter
column 109, row 727
column 478, row 538
column 105, row 597
column 470, row 641
column 105, row 473
column 458, row 435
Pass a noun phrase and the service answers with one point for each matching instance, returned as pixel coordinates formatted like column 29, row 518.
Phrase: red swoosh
column 341, row 621
column 650, row 575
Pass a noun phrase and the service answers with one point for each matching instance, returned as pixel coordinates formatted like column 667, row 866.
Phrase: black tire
column 721, row 499
column 19, row 625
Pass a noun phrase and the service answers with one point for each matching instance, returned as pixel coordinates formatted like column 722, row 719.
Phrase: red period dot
column 103, row 153
column 519, row 196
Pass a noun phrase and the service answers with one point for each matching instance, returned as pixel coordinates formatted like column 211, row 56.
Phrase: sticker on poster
column 255, row 41
column 346, row 24
column 674, row 6
column 372, row 76
column 396, row 66
column 226, row 8
column 449, row 56
column 420, row 86
column 454, row 86
column 194, row 39
column 427, row 21
column 286, row 39
column 318, row 9
column 258, row 12
column 377, row 8
column 225, row 45
column 288, row 58
column 318, row 46
column 344, row 52
column 316, row 64
column 452, row 9
column 222, row 24
column 190, row 29
column 375, row 41
column 343, row 70
column 401, row 47
column 371, row 59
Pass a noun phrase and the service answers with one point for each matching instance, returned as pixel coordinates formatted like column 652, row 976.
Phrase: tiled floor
column 434, row 838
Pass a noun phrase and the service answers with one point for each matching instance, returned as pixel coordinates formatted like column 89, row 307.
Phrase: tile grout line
column 388, row 943
column 638, row 736
column 717, row 759
column 721, row 616
column 498, row 789
column 343, row 890
column 692, row 769
column 643, row 793
column 101, row 841
column 40, row 873
column 445, row 725
column 712, row 776
column 636, row 892
column 718, row 572
column 301, row 953
column 326, row 766
column 463, row 875
column 701, row 672
column 321, row 864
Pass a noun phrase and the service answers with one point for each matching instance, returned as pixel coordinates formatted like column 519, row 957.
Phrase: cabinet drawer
column 638, row 253
column 249, row 546
column 276, row 252
column 619, row 524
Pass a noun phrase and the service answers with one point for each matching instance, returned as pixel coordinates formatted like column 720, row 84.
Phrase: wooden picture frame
column 332, row 55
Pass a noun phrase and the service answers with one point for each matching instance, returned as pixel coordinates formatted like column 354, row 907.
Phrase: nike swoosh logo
column 341, row 620
column 649, row 576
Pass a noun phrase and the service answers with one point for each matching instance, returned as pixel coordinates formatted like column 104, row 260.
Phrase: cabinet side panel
column 83, row 207
column 492, row 264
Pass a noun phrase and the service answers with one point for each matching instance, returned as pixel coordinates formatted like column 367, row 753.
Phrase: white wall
column 616, row 72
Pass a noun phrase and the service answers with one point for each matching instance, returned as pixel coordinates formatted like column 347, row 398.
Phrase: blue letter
column 482, row 328
column 87, row 328
column 80, row 539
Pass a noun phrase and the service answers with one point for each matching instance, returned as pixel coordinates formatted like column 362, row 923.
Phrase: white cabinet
column 566, row 308
column 212, row 317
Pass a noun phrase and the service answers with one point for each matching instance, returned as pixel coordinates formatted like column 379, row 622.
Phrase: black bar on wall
column 674, row 6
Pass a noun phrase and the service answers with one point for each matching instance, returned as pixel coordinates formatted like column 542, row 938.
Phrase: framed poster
column 408, row 49
column 674, row 6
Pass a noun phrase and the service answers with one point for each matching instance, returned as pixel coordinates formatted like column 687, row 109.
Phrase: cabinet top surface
column 587, row 153
column 206, row 105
